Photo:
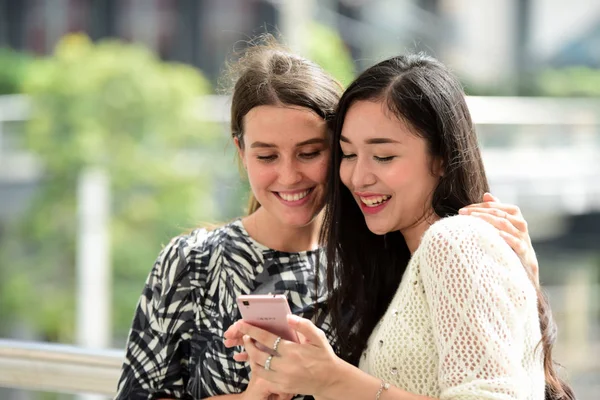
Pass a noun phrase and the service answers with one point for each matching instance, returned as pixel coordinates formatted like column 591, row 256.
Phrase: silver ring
column 276, row 344
column 268, row 363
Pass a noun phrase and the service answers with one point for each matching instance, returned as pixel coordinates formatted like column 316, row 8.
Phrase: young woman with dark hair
column 425, row 303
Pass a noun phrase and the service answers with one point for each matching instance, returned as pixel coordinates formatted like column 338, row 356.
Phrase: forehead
column 367, row 119
column 282, row 124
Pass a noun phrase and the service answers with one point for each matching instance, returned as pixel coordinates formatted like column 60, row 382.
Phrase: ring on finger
column 276, row 344
column 268, row 363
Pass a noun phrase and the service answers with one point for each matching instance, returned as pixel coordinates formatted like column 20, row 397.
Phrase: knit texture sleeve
column 479, row 298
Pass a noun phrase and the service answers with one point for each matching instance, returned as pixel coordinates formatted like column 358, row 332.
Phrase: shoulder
column 189, row 257
column 461, row 230
column 467, row 243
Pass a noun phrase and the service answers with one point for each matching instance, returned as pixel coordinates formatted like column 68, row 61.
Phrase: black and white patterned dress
column 175, row 347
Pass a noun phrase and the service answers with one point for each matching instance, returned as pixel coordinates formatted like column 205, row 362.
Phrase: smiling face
column 286, row 155
column 387, row 168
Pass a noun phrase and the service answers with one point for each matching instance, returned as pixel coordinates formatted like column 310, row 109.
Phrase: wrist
column 339, row 375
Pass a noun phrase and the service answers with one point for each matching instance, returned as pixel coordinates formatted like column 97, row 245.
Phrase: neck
column 270, row 232
column 414, row 233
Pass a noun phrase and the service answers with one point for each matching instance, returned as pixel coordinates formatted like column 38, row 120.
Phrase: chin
column 378, row 229
column 298, row 222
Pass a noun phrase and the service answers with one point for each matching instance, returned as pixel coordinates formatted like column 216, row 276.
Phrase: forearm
column 352, row 383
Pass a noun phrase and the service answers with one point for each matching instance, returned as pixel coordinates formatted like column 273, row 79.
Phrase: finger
column 233, row 332
column 259, row 371
column 516, row 244
column 516, row 221
column 489, row 197
column 233, row 342
column 266, row 338
column 306, row 328
column 509, row 208
column 500, row 223
column 241, row 357
column 255, row 354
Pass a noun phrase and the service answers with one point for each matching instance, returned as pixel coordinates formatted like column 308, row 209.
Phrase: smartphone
column 268, row 312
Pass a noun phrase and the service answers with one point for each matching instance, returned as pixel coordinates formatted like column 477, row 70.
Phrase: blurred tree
column 13, row 69
column 572, row 81
column 325, row 47
column 114, row 106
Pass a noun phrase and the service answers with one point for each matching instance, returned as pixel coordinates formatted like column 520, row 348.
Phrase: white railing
column 69, row 369
column 58, row 368
column 485, row 110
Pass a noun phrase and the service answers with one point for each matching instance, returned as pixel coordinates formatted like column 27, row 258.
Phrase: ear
column 240, row 151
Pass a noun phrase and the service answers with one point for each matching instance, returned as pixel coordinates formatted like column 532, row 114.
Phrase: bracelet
column 382, row 387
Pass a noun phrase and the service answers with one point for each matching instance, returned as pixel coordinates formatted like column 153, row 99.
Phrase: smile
column 374, row 201
column 295, row 198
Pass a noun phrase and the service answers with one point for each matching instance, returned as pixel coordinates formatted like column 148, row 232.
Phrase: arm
column 311, row 367
column 478, row 310
column 479, row 298
column 511, row 225
column 159, row 337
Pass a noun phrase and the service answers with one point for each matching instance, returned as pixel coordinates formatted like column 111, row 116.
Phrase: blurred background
column 114, row 138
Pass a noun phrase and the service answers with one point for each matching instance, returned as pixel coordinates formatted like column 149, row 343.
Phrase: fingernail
column 462, row 211
column 246, row 338
column 475, row 214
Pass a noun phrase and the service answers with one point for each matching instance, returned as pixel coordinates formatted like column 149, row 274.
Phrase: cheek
column 317, row 171
column 260, row 176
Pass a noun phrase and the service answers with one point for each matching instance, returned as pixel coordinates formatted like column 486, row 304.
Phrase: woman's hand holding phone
column 269, row 312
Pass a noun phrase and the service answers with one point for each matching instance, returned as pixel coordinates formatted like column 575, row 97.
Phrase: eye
column 348, row 156
column 311, row 155
column 384, row 159
column 267, row 158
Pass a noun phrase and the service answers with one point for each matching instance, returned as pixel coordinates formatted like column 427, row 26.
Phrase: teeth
column 374, row 201
column 294, row 197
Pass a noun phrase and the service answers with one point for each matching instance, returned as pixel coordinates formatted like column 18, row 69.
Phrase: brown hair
column 423, row 92
column 269, row 74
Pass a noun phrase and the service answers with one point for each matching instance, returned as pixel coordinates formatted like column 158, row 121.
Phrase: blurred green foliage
column 575, row 81
column 116, row 107
column 14, row 67
column 570, row 82
column 325, row 47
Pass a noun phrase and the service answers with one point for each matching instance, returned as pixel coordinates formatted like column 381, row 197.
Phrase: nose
column 362, row 177
column 289, row 173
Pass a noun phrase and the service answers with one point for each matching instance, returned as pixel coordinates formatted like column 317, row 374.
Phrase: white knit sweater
column 464, row 321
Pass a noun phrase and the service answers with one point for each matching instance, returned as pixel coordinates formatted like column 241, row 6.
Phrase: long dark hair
column 267, row 73
column 364, row 269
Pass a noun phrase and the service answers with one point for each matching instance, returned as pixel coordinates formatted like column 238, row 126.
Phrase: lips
column 374, row 201
column 294, row 196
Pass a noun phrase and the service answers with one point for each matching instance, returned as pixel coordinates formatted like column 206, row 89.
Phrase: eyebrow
column 304, row 143
column 372, row 140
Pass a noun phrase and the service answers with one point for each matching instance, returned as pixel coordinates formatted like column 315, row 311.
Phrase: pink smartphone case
column 268, row 312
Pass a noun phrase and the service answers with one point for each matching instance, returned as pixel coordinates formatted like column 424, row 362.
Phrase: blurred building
column 488, row 43
column 549, row 168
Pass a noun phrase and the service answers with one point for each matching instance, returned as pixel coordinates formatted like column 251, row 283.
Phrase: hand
column 507, row 218
column 260, row 389
column 308, row 367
